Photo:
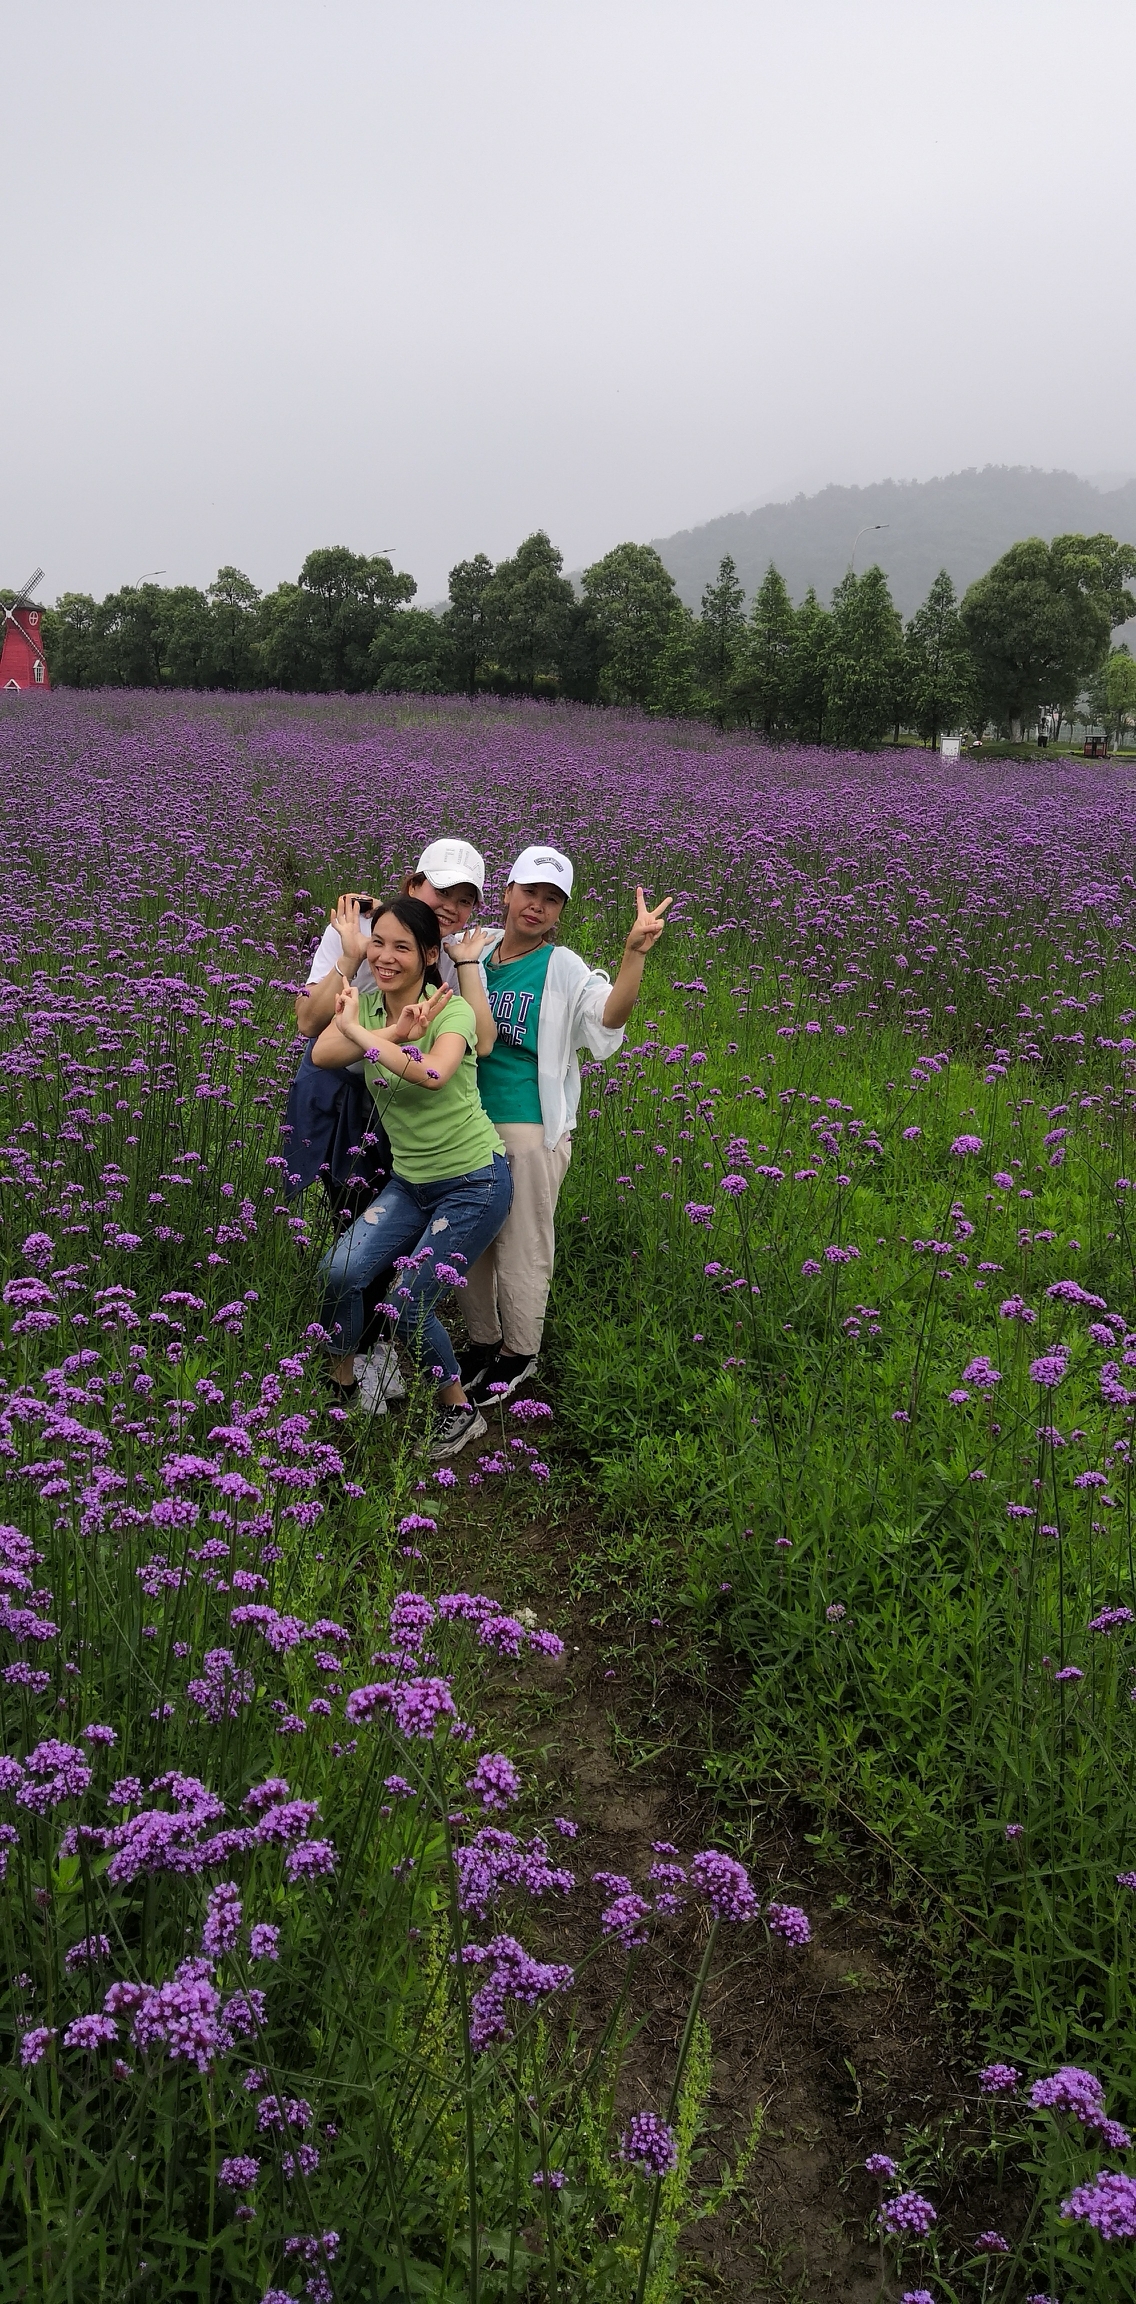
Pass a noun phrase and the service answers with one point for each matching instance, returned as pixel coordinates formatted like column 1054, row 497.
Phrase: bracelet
column 467, row 963
column 339, row 972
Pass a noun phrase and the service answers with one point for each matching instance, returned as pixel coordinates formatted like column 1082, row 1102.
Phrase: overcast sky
column 428, row 274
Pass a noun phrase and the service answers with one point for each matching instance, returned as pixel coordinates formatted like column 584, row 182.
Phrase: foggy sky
column 428, row 275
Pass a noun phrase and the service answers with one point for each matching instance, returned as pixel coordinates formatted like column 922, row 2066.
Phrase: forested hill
column 962, row 523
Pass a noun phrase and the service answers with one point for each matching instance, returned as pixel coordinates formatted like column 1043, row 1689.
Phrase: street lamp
column 871, row 529
column 145, row 579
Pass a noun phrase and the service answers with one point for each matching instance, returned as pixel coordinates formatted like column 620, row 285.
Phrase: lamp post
column 871, row 529
column 145, row 579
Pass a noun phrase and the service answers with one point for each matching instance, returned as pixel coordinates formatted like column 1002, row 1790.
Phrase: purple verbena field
column 841, row 1358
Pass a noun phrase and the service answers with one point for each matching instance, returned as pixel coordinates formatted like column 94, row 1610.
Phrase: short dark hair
column 422, row 924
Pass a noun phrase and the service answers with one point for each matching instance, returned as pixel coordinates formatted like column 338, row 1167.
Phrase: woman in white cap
column 450, row 878
column 546, row 1004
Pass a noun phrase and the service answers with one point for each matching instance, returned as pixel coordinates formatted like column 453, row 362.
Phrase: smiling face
column 396, row 961
column 452, row 905
column 532, row 909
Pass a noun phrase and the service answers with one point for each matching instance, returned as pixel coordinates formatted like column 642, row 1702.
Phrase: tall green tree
column 633, row 597
column 412, row 654
column 1111, row 694
column 132, row 633
column 807, row 698
column 766, row 679
column 233, row 602
column 73, row 643
column 317, row 633
column 721, row 638
column 864, row 659
column 529, row 606
column 467, row 619
column 940, row 675
column 1038, row 623
column 677, row 690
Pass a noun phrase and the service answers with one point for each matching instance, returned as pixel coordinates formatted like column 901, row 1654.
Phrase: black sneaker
column 503, row 1376
column 473, row 1363
column 455, row 1427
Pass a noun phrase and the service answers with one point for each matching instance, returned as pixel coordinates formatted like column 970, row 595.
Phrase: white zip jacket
column 571, row 1018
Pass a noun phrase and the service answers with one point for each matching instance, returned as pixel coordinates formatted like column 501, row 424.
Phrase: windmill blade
column 26, row 590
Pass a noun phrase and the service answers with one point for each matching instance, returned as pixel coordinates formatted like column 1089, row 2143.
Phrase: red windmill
column 22, row 660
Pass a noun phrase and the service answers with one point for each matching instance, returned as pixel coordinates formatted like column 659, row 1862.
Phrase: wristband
column 339, row 972
column 467, row 963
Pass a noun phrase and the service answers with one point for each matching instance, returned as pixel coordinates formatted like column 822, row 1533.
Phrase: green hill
column 962, row 522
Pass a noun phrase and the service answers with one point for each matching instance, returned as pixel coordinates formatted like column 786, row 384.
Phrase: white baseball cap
column 545, row 865
column 447, row 863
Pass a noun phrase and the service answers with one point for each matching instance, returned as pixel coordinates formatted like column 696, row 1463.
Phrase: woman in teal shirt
column 450, row 1190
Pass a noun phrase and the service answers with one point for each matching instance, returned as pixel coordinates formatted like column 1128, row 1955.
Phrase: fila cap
column 449, row 863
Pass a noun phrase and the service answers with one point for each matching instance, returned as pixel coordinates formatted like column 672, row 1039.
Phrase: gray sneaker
column 454, row 1428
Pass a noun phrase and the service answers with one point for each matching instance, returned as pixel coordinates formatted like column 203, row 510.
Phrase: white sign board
column 950, row 746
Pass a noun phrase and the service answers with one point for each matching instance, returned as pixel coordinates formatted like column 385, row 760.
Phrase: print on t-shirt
column 501, row 1006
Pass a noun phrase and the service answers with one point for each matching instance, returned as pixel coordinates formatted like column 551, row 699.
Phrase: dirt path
column 837, row 2042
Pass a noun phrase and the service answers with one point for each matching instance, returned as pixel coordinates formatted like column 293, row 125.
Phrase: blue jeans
column 435, row 1231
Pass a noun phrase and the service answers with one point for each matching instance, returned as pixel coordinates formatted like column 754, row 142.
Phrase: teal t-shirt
column 507, row 1076
column 438, row 1132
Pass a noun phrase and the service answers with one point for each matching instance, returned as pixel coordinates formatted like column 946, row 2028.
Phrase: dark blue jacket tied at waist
column 332, row 1130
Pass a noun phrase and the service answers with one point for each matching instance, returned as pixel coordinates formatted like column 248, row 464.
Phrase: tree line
column 1027, row 645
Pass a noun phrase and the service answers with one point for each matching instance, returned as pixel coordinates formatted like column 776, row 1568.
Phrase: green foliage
column 633, row 599
column 1037, row 624
column 529, row 606
column 764, row 683
column 940, row 676
column 864, row 661
column 721, row 639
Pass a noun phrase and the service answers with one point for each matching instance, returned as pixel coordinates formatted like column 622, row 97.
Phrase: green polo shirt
column 434, row 1132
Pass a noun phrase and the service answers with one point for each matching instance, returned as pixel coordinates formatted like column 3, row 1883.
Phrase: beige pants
column 506, row 1292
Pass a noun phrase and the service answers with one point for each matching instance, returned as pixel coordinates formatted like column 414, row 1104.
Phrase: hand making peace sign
column 649, row 925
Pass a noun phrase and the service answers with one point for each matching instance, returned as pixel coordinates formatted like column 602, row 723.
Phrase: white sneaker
column 380, row 1378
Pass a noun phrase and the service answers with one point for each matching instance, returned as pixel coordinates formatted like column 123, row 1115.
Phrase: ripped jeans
column 441, row 1229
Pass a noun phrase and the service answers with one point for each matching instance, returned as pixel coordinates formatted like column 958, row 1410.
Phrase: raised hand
column 347, row 1005
column 649, row 925
column 470, row 943
column 418, row 1016
column 353, row 936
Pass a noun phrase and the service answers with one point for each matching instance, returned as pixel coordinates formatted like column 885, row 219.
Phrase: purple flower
column 991, row 2244
column 240, row 2172
column 879, row 2165
column 1070, row 2089
column 1068, row 1673
column 264, row 1941
column 312, row 1860
column 88, row 1952
column 964, row 1144
column 1111, row 1619
column 789, row 1921
column 34, row 2045
column 649, row 2146
column 91, row 2032
column 725, row 1885
column 1050, row 1369
column 494, row 1782
column 223, row 1920
column 1108, row 2203
column 908, row 2216
column 554, row 2179
column 734, row 1185
column 998, row 2079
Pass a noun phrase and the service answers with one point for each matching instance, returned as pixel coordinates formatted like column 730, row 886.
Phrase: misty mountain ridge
column 962, row 522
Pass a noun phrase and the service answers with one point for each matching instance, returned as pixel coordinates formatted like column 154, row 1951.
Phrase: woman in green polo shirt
column 451, row 1188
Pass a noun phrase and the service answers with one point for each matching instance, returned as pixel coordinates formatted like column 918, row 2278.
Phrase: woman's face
column 452, row 905
column 394, row 958
column 532, row 909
